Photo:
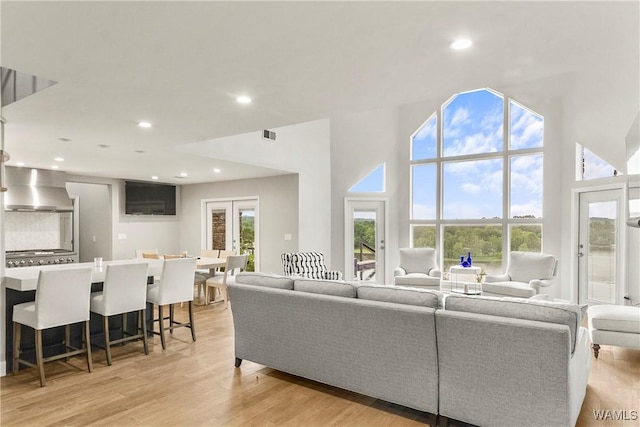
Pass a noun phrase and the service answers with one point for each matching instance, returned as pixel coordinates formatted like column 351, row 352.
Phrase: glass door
column 232, row 225
column 599, row 243
column 365, row 240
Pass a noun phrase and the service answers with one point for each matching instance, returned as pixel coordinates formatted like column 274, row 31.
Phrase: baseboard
column 3, row 369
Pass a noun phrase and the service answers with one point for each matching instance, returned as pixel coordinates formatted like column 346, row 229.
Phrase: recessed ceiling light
column 154, row 177
column 216, row 170
column 54, row 167
column 20, row 164
column 64, row 139
column 145, row 125
column 243, row 99
column 59, row 159
column 103, row 146
column 183, row 174
column 461, row 44
column 139, row 151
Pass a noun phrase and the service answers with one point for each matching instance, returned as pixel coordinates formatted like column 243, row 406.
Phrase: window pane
column 594, row 167
column 473, row 123
column 364, row 244
column 526, row 238
column 602, row 251
column 484, row 243
column 527, row 128
column 526, row 186
column 423, row 142
column 472, row 189
column 423, row 236
column 423, row 181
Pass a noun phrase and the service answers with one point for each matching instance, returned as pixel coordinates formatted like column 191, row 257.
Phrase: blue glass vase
column 469, row 260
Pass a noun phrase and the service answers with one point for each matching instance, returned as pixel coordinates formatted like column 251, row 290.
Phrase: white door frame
column 348, row 235
column 235, row 203
column 575, row 240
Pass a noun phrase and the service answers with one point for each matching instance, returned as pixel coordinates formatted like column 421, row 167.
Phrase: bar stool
column 234, row 262
column 124, row 291
column 175, row 286
column 62, row 299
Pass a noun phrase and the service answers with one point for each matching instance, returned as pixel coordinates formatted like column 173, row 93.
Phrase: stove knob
column 55, row 260
column 22, row 262
column 69, row 260
column 41, row 262
column 30, row 262
column 9, row 264
column 61, row 260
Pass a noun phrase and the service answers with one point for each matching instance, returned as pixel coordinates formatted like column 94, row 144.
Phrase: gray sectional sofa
column 481, row 360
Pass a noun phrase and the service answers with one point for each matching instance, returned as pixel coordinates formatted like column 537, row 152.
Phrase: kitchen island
column 20, row 286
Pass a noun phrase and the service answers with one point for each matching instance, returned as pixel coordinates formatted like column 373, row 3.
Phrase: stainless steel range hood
column 36, row 190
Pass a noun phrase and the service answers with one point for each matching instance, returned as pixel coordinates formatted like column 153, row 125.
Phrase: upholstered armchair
column 308, row 264
column 527, row 272
column 418, row 268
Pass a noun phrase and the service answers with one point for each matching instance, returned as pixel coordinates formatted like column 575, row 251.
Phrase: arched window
column 476, row 179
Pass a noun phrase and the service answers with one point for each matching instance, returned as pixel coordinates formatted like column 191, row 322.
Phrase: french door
column 600, row 239
column 365, row 237
column 232, row 225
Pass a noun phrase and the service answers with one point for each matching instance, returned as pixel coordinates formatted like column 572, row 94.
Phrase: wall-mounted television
column 145, row 198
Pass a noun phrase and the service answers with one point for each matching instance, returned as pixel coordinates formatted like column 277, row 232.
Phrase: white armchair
column 527, row 272
column 418, row 268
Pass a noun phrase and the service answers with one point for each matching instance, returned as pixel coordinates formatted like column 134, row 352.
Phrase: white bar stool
column 175, row 286
column 62, row 298
column 124, row 291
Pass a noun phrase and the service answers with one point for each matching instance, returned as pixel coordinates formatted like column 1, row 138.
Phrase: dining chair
column 140, row 252
column 219, row 282
column 62, row 299
column 169, row 256
column 124, row 291
column 150, row 255
column 175, row 286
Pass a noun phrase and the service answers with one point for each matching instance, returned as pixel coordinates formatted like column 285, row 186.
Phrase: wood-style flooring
column 196, row 384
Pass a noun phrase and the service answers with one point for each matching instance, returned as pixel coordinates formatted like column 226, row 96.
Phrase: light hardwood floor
column 196, row 384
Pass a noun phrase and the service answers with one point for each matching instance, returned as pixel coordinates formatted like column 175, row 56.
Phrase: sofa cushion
column 401, row 295
column 417, row 279
column 512, row 289
column 326, row 287
column 617, row 318
column 542, row 311
column 265, row 279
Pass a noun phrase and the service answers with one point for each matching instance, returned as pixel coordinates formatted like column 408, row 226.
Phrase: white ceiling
column 181, row 65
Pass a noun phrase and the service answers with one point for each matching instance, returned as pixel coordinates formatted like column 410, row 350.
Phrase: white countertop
column 26, row 278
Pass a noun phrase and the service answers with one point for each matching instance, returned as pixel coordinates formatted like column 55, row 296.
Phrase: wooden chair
column 140, row 252
column 149, row 255
column 234, row 262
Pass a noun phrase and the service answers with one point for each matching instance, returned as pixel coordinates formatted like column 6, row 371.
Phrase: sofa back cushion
column 401, row 295
column 265, row 279
column 542, row 311
column 326, row 287
column 417, row 260
column 526, row 266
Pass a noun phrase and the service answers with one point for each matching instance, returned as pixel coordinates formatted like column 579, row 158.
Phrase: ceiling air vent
column 267, row 134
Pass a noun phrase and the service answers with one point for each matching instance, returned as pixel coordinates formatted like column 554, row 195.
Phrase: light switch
column 287, row 236
column 94, row 239
column 122, row 236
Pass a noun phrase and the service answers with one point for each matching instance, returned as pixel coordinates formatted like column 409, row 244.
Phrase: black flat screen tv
column 145, row 198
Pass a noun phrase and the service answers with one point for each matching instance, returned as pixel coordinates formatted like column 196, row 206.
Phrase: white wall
column 94, row 218
column 303, row 149
column 278, row 214
column 139, row 231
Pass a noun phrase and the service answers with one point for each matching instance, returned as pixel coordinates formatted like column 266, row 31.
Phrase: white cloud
column 532, row 208
column 460, row 116
column 424, row 211
column 471, row 188
column 527, row 129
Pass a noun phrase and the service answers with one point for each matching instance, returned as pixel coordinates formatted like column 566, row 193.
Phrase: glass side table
column 464, row 280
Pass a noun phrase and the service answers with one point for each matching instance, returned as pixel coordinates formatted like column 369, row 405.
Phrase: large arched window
column 476, row 180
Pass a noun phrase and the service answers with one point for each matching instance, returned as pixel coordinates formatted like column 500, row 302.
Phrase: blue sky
column 473, row 124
